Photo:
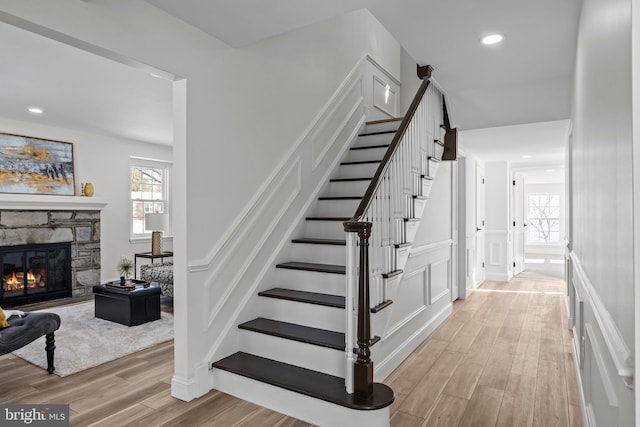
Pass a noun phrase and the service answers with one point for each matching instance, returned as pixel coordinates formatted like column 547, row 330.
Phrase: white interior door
column 480, row 218
column 519, row 222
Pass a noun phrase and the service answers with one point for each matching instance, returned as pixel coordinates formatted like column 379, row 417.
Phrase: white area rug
column 84, row 341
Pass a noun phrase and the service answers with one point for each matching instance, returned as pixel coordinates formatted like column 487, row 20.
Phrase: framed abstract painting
column 36, row 166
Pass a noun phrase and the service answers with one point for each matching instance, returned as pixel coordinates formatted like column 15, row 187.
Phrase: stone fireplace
column 79, row 229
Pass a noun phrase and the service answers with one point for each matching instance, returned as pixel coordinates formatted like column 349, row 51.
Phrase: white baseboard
column 498, row 277
column 391, row 362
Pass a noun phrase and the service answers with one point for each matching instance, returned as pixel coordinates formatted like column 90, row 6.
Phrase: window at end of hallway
column 544, row 218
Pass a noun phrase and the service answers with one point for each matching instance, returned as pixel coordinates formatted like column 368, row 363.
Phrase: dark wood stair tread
column 351, row 179
column 382, row 132
column 294, row 332
column 360, row 162
column 310, row 266
column 340, row 198
column 381, row 306
column 327, row 218
column 327, row 300
column 304, row 381
column 394, row 119
column 391, row 274
column 420, row 197
column 313, row 241
column 427, row 177
column 369, row 147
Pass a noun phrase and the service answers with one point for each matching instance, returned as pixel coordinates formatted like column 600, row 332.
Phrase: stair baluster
column 381, row 217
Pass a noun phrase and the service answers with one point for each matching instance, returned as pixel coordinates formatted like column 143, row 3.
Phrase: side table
column 148, row 255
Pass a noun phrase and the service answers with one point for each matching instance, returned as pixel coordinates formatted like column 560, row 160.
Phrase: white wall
column 238, row 114
column 602, row 216
column 410, row 80
column 104, row 161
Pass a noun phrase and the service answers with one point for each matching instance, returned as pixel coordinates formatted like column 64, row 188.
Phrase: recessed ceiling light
column 526, row 156
column 492, row 39
column 36, row 110
column 550, row 170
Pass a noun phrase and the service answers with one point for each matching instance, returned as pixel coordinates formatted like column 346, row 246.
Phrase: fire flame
column 13, row 280
column 13, row 283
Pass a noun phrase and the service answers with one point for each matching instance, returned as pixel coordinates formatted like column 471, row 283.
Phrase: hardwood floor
column 502, row 359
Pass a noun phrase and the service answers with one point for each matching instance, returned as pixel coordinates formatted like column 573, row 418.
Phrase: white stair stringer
column 314, row 411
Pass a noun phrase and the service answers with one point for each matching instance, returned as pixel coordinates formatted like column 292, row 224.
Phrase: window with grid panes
column 149, row 192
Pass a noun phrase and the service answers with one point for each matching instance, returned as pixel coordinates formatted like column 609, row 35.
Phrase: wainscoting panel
column 439, row 283
column 420, row 305
column 496, row 249
column 606, row 374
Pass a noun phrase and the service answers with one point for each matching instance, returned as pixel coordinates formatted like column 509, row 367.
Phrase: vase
column 87, row 189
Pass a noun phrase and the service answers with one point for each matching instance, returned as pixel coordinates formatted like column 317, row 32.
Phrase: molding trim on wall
column 617, row 347
column 254, row 204
column 230, row 280
column 393, row 360
column 576, row 367
column 383, row 70
column 51, row 203
column 419, row 250
column 598, row 352
column 293, row 174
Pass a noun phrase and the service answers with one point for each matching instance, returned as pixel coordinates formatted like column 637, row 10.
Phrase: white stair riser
column 381, row 127
column 308, row 356
column 367, row 154
column 321, row 254
column 339, row 208
column 311, row 281
column 364, row 170
column 347, row 188
column 324, row 229
column 313, row 411
column 300, row 313
column 382, row 138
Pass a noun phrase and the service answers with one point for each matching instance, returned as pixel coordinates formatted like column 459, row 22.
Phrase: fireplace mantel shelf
column 50, row 203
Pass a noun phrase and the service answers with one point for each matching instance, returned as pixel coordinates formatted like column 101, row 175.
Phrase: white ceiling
column 543, row 142
column 525, row 79
column 80, row 90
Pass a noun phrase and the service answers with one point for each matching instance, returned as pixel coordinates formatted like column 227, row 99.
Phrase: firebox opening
column 33, row 273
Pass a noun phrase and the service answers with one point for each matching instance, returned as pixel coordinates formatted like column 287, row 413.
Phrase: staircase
column 295, row 348
column 314, row 281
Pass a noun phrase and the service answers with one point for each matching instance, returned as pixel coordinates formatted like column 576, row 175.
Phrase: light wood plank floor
column 502, row 359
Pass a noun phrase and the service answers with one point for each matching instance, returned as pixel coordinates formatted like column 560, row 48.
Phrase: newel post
column 363, row 366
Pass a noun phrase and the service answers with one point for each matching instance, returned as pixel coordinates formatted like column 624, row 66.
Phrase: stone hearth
column 80, row 228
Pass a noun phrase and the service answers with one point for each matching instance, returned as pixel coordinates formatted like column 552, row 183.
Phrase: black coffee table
column 127, row 307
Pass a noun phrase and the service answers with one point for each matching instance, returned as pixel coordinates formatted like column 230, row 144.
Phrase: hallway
column 503, row 358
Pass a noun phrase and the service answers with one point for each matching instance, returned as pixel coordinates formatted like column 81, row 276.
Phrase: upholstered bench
column 26, row 329
column 160, row 274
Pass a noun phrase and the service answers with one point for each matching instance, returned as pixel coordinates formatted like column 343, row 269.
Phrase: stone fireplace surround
column 52, row 219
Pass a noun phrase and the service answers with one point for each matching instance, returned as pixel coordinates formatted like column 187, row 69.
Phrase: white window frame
column 528, row 242
column 166, row 166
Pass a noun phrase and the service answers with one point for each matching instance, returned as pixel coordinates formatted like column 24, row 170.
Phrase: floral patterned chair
column 160, row 274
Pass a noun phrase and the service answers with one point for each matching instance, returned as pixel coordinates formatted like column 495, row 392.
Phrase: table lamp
column 156, row 222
